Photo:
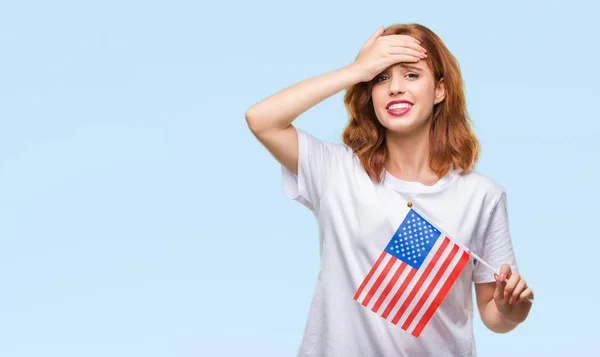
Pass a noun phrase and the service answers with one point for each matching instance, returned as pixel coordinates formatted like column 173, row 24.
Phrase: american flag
column 413, row 274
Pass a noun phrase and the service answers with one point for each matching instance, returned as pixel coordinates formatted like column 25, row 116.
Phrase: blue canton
column 413, row 240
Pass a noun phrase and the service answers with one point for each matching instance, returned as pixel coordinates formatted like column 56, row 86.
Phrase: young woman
column 405, row 167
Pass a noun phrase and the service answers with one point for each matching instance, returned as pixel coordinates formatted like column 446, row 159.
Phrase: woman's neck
column 408, row 157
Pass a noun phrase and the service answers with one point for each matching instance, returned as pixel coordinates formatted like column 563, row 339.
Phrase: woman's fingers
column 521, row 286
column 526, row 294
column 404, row 41
column 499, row 292
column 511, row 285
column 406, row 51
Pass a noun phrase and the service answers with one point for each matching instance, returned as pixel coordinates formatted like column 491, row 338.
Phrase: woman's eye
column 379, row 78
column 413, row 75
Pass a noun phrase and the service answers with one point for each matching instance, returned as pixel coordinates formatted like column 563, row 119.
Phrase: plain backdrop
column 140, row 217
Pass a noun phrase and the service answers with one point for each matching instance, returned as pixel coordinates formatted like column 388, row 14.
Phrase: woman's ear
column 440, row 91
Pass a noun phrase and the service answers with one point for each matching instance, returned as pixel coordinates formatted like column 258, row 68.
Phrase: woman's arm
column 270, row 119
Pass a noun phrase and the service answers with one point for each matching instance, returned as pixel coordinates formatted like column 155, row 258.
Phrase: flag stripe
column 442, row 293
column 389, row 287
column 424, row 276
column 427, row 281
column 430, row 288
column 396, row 297
column 379, row 280
column 411, row 280
column 406, row 274
column 435, row 291
column 373, row 269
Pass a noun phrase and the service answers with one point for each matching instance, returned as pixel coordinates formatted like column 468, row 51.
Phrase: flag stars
column 414, row 241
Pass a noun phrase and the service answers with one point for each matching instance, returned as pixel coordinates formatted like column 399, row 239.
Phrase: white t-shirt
column 357, row 218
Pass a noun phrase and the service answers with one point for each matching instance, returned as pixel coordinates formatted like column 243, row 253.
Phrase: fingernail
column 505, row 294
column 512, row 300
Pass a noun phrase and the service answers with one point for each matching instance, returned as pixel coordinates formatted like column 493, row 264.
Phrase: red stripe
column 424, row 276
column 405, row 283
column 379, row 280
column 441, row 294
column 373, row 269
column 430, row 288
column 389, row 287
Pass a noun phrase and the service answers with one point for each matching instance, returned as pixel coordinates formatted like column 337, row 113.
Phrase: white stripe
column 436, row 290
column 374, row 277
column 384, row 283
column 415, row 278
column 395, row 288
column 425, row 285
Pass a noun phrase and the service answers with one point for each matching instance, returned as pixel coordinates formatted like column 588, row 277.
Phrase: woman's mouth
column 399, row 109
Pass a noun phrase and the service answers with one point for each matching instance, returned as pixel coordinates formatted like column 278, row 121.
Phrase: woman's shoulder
column 336, row 146
column 481, row 183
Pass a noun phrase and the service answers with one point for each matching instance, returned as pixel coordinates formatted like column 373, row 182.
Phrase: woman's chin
column 404, row 127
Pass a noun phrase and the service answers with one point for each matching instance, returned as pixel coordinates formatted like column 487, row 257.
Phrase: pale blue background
column 139, row 216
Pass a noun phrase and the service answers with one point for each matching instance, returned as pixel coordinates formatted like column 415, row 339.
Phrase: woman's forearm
column 280, row 109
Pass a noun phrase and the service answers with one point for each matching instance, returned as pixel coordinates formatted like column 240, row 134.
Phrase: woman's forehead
column 420, row 66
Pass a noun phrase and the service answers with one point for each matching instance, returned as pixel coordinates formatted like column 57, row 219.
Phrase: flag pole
column 410, row 204
column 492, row 269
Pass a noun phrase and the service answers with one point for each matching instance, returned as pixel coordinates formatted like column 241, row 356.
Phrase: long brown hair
column 451, row 139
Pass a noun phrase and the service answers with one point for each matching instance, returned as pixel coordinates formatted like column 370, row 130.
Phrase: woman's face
column 404, row 95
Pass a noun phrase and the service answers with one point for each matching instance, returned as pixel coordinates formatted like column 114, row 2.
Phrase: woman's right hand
column 380, row 52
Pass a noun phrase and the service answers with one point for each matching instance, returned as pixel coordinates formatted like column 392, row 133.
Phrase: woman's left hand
column 511, row 297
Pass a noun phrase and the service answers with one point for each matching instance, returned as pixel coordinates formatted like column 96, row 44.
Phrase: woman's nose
column 397, row 86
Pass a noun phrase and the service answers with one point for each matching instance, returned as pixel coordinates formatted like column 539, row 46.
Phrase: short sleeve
column 497, row 248
column 318, row 165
